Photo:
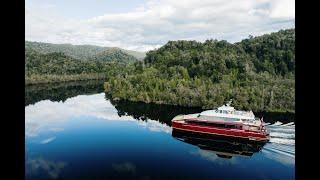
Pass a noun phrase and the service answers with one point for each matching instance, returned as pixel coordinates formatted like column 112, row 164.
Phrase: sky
column 144, row 25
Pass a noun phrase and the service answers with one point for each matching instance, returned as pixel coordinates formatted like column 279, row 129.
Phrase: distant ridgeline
column 46, row 62
column 258, row 73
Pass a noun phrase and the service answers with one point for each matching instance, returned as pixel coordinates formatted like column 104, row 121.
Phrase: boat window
column 228, row 119
column 230, row 126
column 215, row 118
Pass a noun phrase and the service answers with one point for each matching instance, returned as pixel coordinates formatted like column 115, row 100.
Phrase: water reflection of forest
column 143, row 111
column 61, row 91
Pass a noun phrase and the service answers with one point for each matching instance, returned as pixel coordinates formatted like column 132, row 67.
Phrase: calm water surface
column 74, row 132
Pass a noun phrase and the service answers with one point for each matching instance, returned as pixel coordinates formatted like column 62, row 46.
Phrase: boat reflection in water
column 223, row 147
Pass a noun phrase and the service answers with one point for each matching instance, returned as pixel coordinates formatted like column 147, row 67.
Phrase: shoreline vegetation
column 47, row 79
column 196, row 102
column 257, row 73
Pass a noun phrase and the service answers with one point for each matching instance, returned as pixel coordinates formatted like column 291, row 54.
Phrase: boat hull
column 229, row 134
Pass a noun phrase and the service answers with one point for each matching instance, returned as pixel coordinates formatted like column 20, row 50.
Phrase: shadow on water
column 61, row 91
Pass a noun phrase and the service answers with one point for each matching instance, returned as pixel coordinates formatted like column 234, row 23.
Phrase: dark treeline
column 258, row 73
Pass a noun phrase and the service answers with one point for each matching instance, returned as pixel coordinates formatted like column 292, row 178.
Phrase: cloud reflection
column 50, row 116
column 155, row 126
column 46, row 141
column 36, row 166
column 213, row 157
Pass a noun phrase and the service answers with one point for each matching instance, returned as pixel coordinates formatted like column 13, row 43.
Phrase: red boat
column 224, row 121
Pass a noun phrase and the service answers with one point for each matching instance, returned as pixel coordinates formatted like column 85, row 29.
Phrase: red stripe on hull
column 220, row 131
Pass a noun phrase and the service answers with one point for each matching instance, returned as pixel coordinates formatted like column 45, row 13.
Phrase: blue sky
column 147, row 24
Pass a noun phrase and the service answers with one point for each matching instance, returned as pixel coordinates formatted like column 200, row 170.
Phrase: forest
column 45, row 64
column 258, row 73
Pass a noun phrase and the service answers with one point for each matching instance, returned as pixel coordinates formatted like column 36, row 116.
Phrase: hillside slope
column 57, row 67
column 86, row 52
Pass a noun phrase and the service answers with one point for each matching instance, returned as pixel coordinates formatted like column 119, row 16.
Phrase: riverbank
column 259, row 94
column 45, row 79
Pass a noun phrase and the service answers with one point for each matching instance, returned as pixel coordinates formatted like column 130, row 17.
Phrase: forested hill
column 86, row 52
column 57, row 63
column 258, row 73
column 58, row 67
column 273, row 53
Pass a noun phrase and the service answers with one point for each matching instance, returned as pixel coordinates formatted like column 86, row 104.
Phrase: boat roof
column 227, row 111
column 235, row 114
column 226, row 108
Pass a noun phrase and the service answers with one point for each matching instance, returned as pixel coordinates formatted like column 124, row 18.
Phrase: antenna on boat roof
column 229, row 102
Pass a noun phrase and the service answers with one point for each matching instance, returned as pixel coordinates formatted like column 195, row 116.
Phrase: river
column 74, row 131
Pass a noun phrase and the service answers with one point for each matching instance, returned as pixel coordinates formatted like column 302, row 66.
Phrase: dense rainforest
column 46, row 63
column 257, row 73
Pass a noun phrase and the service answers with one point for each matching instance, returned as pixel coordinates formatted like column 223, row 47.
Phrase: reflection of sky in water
column 51, row 116
column 51, row 169
column 84, row 136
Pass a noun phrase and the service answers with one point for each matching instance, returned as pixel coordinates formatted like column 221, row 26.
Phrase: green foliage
column 86, row 52
column 57, row 67
column 274, row 53
column 114, row 54
column 258, row 73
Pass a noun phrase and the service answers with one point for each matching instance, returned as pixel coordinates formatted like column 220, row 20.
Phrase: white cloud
column 283, row 9
column 154, row 23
